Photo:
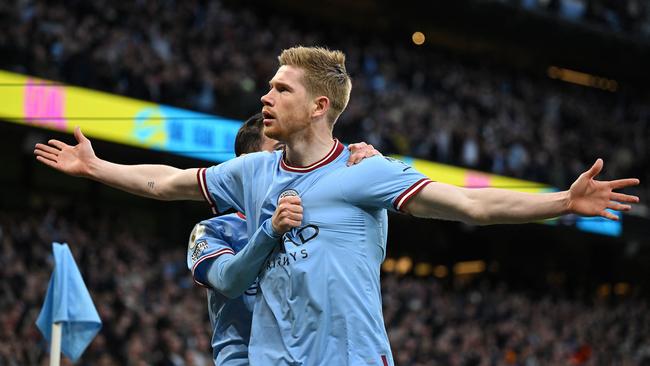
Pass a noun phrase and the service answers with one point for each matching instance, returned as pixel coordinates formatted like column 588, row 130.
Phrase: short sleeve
column 207, row 242
column 381, row 182
column 222, row 185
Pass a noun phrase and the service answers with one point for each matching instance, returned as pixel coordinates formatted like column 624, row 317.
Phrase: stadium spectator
column 207, row 57
column 192, row 54
column 152, row 315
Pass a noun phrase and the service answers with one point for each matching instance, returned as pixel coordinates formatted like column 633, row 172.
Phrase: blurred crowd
column 153, row 314
column 482, row 324
column 629, row 16
column 151, row 311
column 413, row 101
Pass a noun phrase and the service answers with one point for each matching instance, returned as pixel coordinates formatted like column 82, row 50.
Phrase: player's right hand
column 287, row 215
column 72, row 160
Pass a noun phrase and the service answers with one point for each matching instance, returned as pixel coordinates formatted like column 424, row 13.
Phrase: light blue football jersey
column 230, row 318
column 319, row 295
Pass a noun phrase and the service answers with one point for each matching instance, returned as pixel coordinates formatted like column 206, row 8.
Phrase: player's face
column 287, row 104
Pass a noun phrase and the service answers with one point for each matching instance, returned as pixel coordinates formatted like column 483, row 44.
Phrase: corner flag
column 68, row 302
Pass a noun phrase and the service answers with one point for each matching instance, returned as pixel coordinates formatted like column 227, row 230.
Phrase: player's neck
column 308, row 148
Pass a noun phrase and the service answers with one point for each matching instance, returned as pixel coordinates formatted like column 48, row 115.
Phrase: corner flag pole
column 82, row 322
column 55, row 345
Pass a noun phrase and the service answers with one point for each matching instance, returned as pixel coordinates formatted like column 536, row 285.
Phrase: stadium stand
column 629, row 16
column 426, row 104
column 153, row 314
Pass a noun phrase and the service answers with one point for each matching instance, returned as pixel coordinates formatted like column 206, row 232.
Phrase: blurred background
column 518, row 94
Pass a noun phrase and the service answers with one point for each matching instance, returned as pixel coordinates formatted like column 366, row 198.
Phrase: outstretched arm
column 153, row 181
column 231, row 274
column 587, row 197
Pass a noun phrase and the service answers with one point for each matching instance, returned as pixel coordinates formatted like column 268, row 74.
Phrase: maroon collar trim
column 334, row 153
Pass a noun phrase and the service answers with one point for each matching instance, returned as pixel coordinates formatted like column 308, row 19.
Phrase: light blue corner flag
column 68, row 301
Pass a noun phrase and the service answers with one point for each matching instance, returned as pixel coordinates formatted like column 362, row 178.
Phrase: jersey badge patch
column 287, row 193
column 198, row 249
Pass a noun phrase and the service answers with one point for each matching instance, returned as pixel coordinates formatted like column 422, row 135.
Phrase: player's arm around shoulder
column 231, row 274
column 211, row 252
column 352, row 178
column 359, row 167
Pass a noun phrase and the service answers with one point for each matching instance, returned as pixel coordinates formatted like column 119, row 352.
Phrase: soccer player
column 319, row 300
column 223, row 260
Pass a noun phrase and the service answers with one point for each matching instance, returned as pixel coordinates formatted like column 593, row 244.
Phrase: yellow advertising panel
column 46, row 104
column 471, row 178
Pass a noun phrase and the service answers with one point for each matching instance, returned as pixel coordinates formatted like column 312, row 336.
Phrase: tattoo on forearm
column 150, row 184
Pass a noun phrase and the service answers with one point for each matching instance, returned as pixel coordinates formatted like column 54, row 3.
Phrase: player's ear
column 321, row 106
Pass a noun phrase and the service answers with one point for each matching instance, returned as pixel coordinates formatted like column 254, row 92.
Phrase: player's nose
column 266, row 99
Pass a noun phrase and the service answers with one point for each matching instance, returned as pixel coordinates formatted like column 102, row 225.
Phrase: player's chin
column 273, row 132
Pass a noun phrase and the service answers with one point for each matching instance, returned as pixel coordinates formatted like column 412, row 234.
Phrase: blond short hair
column 325, row 74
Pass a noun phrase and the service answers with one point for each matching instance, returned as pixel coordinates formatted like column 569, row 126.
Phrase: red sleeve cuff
column 411, row 191
column 203, row 187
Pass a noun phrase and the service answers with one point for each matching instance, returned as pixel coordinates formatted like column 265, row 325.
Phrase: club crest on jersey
column 287, row 193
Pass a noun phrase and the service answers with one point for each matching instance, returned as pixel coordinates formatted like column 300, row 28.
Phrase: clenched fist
column 287, row 215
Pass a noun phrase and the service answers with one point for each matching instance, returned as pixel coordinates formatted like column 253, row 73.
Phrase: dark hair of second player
column 249, row 136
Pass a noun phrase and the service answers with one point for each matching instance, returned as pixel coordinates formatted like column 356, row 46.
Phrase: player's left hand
column 360, row 151
column 590, row 197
